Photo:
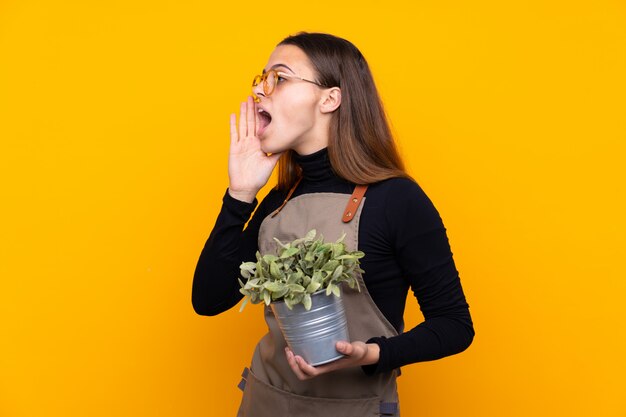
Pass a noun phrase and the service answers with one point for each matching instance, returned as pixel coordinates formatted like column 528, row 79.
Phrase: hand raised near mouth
column 249, row 168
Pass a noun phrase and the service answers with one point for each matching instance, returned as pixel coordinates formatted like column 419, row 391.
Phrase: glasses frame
column 266, row 87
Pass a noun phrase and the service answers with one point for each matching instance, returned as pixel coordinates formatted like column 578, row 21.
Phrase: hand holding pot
column 357, row 354
column 249, row 168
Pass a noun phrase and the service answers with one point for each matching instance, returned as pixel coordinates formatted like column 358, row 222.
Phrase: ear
column 331, row 100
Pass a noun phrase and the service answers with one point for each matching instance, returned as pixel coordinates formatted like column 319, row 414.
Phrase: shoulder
column 399, row 191
column 403, row 202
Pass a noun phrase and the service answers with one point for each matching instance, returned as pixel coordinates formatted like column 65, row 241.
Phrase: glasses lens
column 270, row 82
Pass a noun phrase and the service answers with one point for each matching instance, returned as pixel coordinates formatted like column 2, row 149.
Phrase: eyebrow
column 279, row 65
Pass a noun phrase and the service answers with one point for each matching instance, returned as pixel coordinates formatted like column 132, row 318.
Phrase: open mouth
column 263, row 121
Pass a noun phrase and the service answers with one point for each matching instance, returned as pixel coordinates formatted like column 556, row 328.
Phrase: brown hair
column 361, row 147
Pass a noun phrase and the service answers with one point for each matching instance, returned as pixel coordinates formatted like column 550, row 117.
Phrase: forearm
column 215, row 285
column 432, row 339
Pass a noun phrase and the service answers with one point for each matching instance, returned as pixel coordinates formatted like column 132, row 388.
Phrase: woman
column 317, row 114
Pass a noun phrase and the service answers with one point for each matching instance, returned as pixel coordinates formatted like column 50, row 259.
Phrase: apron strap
column 353, row 204
column 388, row 409
column 351, row 208
column 287, row 198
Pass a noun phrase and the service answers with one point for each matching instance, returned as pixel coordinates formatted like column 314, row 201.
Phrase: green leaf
column 297, row 298
column 306, row 301
column 309, row 257
column 310, row 235
column 330, row 265
column 313, row 286
column 338, row 272
column 336, row 291
column 339, row 249
column 280, row 294
column 274, row 286
column 281, row 244
column 344, row 257
column 266, row 297
column 295, row 288
column 245, row 301
column 287, row 264
column 287, row 253
column 274, row 271
column 321, row 260
column 252, row 283
column 295, row 277
column 249, row 266
column 269, row 258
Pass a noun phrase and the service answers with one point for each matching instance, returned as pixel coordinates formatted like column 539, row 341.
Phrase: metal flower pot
column 313, row 334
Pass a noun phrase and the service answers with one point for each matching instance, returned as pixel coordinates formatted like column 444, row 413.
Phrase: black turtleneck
column 405, row 244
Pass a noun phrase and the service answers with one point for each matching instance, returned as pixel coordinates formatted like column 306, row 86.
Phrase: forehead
column 292, row 57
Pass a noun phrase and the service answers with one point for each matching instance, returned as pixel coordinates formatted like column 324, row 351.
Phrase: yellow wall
column 114, row 138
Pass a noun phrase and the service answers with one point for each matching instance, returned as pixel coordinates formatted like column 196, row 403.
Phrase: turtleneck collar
column 316, row 166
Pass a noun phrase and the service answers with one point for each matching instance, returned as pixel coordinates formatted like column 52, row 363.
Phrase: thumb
column 344, row 347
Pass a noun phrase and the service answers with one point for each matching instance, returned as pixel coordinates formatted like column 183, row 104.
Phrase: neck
column 315, row 138
column 311, row 147
column 316, row 166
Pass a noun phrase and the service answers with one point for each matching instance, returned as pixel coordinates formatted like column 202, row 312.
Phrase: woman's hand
column 357, row 354
column 249, row 168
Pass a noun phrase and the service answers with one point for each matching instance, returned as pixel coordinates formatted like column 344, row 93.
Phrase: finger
column 250, row 128
column 242, row 120
column 309, row 370
column 257, row 117
column 291, row 360
column 233, row 129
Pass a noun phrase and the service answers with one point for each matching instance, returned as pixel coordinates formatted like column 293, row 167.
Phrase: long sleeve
column 215, row 286
column 422, row 251
column 405, row 246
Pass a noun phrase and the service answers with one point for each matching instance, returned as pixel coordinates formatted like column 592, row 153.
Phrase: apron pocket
column 263, row 400
column 324, row 407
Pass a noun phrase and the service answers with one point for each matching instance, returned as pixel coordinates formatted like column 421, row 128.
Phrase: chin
column 267, row 147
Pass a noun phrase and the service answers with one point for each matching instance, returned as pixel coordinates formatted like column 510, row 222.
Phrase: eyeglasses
column 271, row 78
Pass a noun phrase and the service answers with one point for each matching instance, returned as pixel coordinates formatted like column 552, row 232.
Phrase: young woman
column 317, row 114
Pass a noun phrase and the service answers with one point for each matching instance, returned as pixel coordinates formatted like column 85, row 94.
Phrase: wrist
column 241, row 195
column 372, row 356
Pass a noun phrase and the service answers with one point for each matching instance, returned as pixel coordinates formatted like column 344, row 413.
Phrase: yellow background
column 114, row 140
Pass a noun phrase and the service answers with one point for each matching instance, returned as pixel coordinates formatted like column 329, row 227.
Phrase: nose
column 257, row 92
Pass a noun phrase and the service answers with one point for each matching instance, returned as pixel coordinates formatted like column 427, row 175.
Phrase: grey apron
column 271, row 389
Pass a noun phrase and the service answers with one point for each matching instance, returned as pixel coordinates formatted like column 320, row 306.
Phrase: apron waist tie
column 388, row 409
column 244, row 379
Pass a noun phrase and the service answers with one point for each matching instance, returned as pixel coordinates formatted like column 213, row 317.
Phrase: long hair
column 360, row 147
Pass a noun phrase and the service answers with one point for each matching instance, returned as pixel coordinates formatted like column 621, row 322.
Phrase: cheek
column 298, row 112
